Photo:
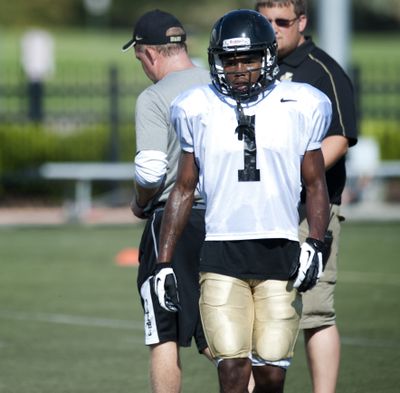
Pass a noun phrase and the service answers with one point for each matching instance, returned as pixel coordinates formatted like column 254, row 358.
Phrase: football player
column 247, row 141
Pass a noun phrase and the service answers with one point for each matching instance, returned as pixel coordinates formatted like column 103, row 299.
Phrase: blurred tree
column 388, row 8
column 372, row 15
column 367, row 14
column 22, row 13
column 200, row 14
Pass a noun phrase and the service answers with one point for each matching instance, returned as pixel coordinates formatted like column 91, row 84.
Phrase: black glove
column 166, row 288
column 309, row 267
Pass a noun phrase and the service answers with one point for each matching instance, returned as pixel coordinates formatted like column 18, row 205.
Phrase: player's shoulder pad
column 195, row 97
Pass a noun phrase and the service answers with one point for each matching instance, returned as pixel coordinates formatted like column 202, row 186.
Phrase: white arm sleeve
column 150, row 168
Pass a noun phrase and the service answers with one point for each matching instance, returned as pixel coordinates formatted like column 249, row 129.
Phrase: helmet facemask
column 268, row 70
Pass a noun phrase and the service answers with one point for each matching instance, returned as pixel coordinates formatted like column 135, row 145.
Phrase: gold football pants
column 242, row 318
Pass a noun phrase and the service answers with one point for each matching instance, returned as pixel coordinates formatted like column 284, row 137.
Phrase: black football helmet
column 242, row 31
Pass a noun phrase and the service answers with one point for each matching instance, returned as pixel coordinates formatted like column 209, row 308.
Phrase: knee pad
column 276, row 344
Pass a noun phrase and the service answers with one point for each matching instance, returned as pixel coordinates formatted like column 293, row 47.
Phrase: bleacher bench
column 83, row 174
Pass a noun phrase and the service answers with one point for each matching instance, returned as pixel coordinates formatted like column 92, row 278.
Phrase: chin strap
column 245, row 125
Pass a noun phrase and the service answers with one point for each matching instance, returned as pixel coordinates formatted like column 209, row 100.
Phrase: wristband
column 162, row 265
column 316, row 244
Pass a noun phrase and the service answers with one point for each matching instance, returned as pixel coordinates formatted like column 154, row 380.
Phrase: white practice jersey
column 252, row 186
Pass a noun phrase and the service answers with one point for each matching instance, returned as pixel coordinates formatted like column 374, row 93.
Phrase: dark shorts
column 161, row 325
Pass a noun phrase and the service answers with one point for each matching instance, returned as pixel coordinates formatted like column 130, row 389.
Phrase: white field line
column 363, row 342
column 369, row 342
column 76, row 320
column 368, row 278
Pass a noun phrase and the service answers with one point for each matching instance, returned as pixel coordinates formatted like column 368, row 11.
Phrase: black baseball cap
column 151, row 29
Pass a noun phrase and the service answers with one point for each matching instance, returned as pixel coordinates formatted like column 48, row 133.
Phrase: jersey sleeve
column 320, row 119
column 152, row 122
column 182, row 125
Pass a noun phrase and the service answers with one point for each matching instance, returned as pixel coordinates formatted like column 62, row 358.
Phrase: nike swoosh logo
column 287, row 100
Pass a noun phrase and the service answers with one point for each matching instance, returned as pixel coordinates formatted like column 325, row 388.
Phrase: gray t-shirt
column 154, row 130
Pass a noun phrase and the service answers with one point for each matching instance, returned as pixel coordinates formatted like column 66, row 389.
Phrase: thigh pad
column 227, row 312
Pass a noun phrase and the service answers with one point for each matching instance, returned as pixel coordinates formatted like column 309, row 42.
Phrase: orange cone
column 127, row 257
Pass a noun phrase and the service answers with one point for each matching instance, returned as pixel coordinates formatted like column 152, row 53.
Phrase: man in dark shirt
column 300, row 60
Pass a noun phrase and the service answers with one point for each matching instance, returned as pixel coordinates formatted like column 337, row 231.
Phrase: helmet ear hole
column 243, row 31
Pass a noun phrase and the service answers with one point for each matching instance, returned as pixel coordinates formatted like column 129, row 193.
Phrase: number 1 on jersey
column 247, row 129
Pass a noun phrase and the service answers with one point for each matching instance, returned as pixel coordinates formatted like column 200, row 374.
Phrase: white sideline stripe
column 72, row 320
column 135, row 325
column 369, row 278
column 364, row 342
column 370, row 342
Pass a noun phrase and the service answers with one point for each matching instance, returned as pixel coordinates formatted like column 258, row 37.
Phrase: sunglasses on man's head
column 283, row 22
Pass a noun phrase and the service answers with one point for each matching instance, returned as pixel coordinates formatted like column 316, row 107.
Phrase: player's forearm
column 317, row 208
column 175, row 217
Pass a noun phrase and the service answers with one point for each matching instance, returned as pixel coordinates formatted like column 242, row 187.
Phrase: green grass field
column 70, row 318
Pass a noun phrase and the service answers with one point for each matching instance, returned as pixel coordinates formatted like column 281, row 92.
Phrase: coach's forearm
column 141, row 198
column 144, row 195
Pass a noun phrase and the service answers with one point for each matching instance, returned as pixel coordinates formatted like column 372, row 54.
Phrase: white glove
column 166, row 287
column 309, row 267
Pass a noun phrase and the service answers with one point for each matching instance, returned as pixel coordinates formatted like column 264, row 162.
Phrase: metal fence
column 378, row 91
column 107, row 108
column 76, row 102
column 85, row 101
